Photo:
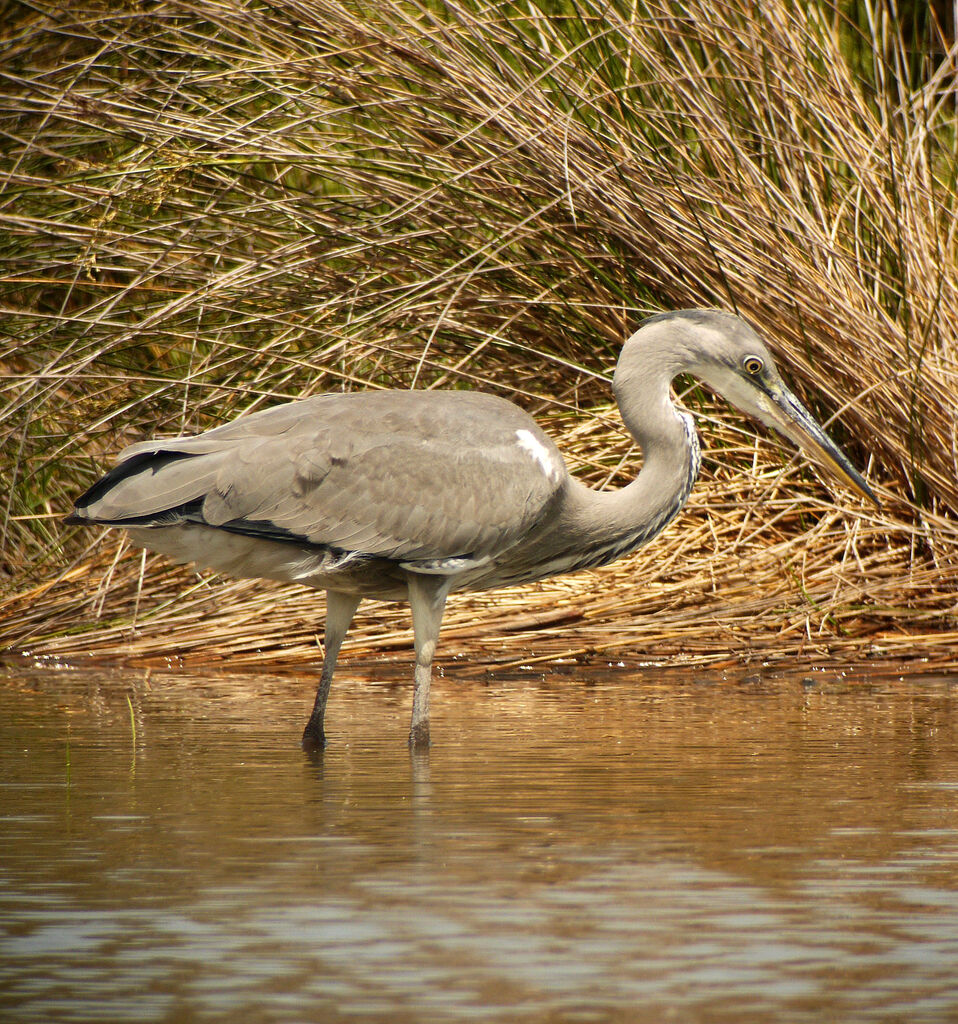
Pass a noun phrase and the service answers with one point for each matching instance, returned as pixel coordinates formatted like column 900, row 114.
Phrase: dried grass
column 211, row 207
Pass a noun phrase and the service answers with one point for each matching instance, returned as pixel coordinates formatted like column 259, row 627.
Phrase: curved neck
column 603, row 525
column 591, row 528
column 627, row 518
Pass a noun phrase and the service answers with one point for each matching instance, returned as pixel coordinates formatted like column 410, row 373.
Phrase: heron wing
column 411, row 476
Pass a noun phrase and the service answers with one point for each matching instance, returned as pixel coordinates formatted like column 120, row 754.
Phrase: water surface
column 584, row 847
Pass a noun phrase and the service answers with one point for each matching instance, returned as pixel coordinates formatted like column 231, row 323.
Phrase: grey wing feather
column 401, row 475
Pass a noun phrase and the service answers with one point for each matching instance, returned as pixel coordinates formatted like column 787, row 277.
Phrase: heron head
column 727, row 355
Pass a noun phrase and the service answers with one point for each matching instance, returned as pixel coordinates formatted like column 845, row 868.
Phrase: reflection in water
column 630, row 847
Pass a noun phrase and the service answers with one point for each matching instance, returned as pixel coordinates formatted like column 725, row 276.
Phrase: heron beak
column 786, row 414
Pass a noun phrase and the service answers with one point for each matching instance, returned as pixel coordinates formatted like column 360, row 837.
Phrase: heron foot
column 313, row 736
column 419, row 736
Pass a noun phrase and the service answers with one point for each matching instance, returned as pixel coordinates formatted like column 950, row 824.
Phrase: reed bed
column 209, row 208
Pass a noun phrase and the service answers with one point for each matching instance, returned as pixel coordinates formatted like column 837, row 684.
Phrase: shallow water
column 585, row 847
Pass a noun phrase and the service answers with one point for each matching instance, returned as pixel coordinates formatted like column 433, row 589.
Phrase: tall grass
column 211, row 207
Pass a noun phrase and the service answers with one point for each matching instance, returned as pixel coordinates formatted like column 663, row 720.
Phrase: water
column 636, row 847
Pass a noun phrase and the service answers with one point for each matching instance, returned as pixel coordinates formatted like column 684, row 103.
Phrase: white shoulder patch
column 530, row 443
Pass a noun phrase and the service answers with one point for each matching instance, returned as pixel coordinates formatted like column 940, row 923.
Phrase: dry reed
column 211, row 207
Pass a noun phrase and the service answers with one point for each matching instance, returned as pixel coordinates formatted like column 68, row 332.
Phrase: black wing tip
column 80, row 518
column 169, row 517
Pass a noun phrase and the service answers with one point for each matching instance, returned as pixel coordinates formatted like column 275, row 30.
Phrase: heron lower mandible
column 396, row 495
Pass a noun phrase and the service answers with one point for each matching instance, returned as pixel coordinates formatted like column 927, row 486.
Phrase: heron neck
column 632, row 515
column 591, row 528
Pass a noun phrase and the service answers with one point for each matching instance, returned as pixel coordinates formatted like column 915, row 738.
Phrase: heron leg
column 340, row 609
column 427, row 598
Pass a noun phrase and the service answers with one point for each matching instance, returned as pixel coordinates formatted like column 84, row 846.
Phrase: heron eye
column 753, row 365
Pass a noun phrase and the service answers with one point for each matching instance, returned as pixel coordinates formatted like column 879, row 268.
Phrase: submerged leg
column 427, row 597
column 340, row 609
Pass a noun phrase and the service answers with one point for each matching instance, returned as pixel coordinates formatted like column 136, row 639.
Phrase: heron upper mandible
column 395, row 495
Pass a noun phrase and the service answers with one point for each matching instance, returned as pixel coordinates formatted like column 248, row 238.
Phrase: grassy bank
column 209, row 208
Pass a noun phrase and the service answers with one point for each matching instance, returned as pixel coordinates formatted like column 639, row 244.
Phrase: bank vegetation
column 208, row 208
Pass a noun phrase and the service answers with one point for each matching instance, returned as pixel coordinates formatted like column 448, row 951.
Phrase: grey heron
column 409, row 495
